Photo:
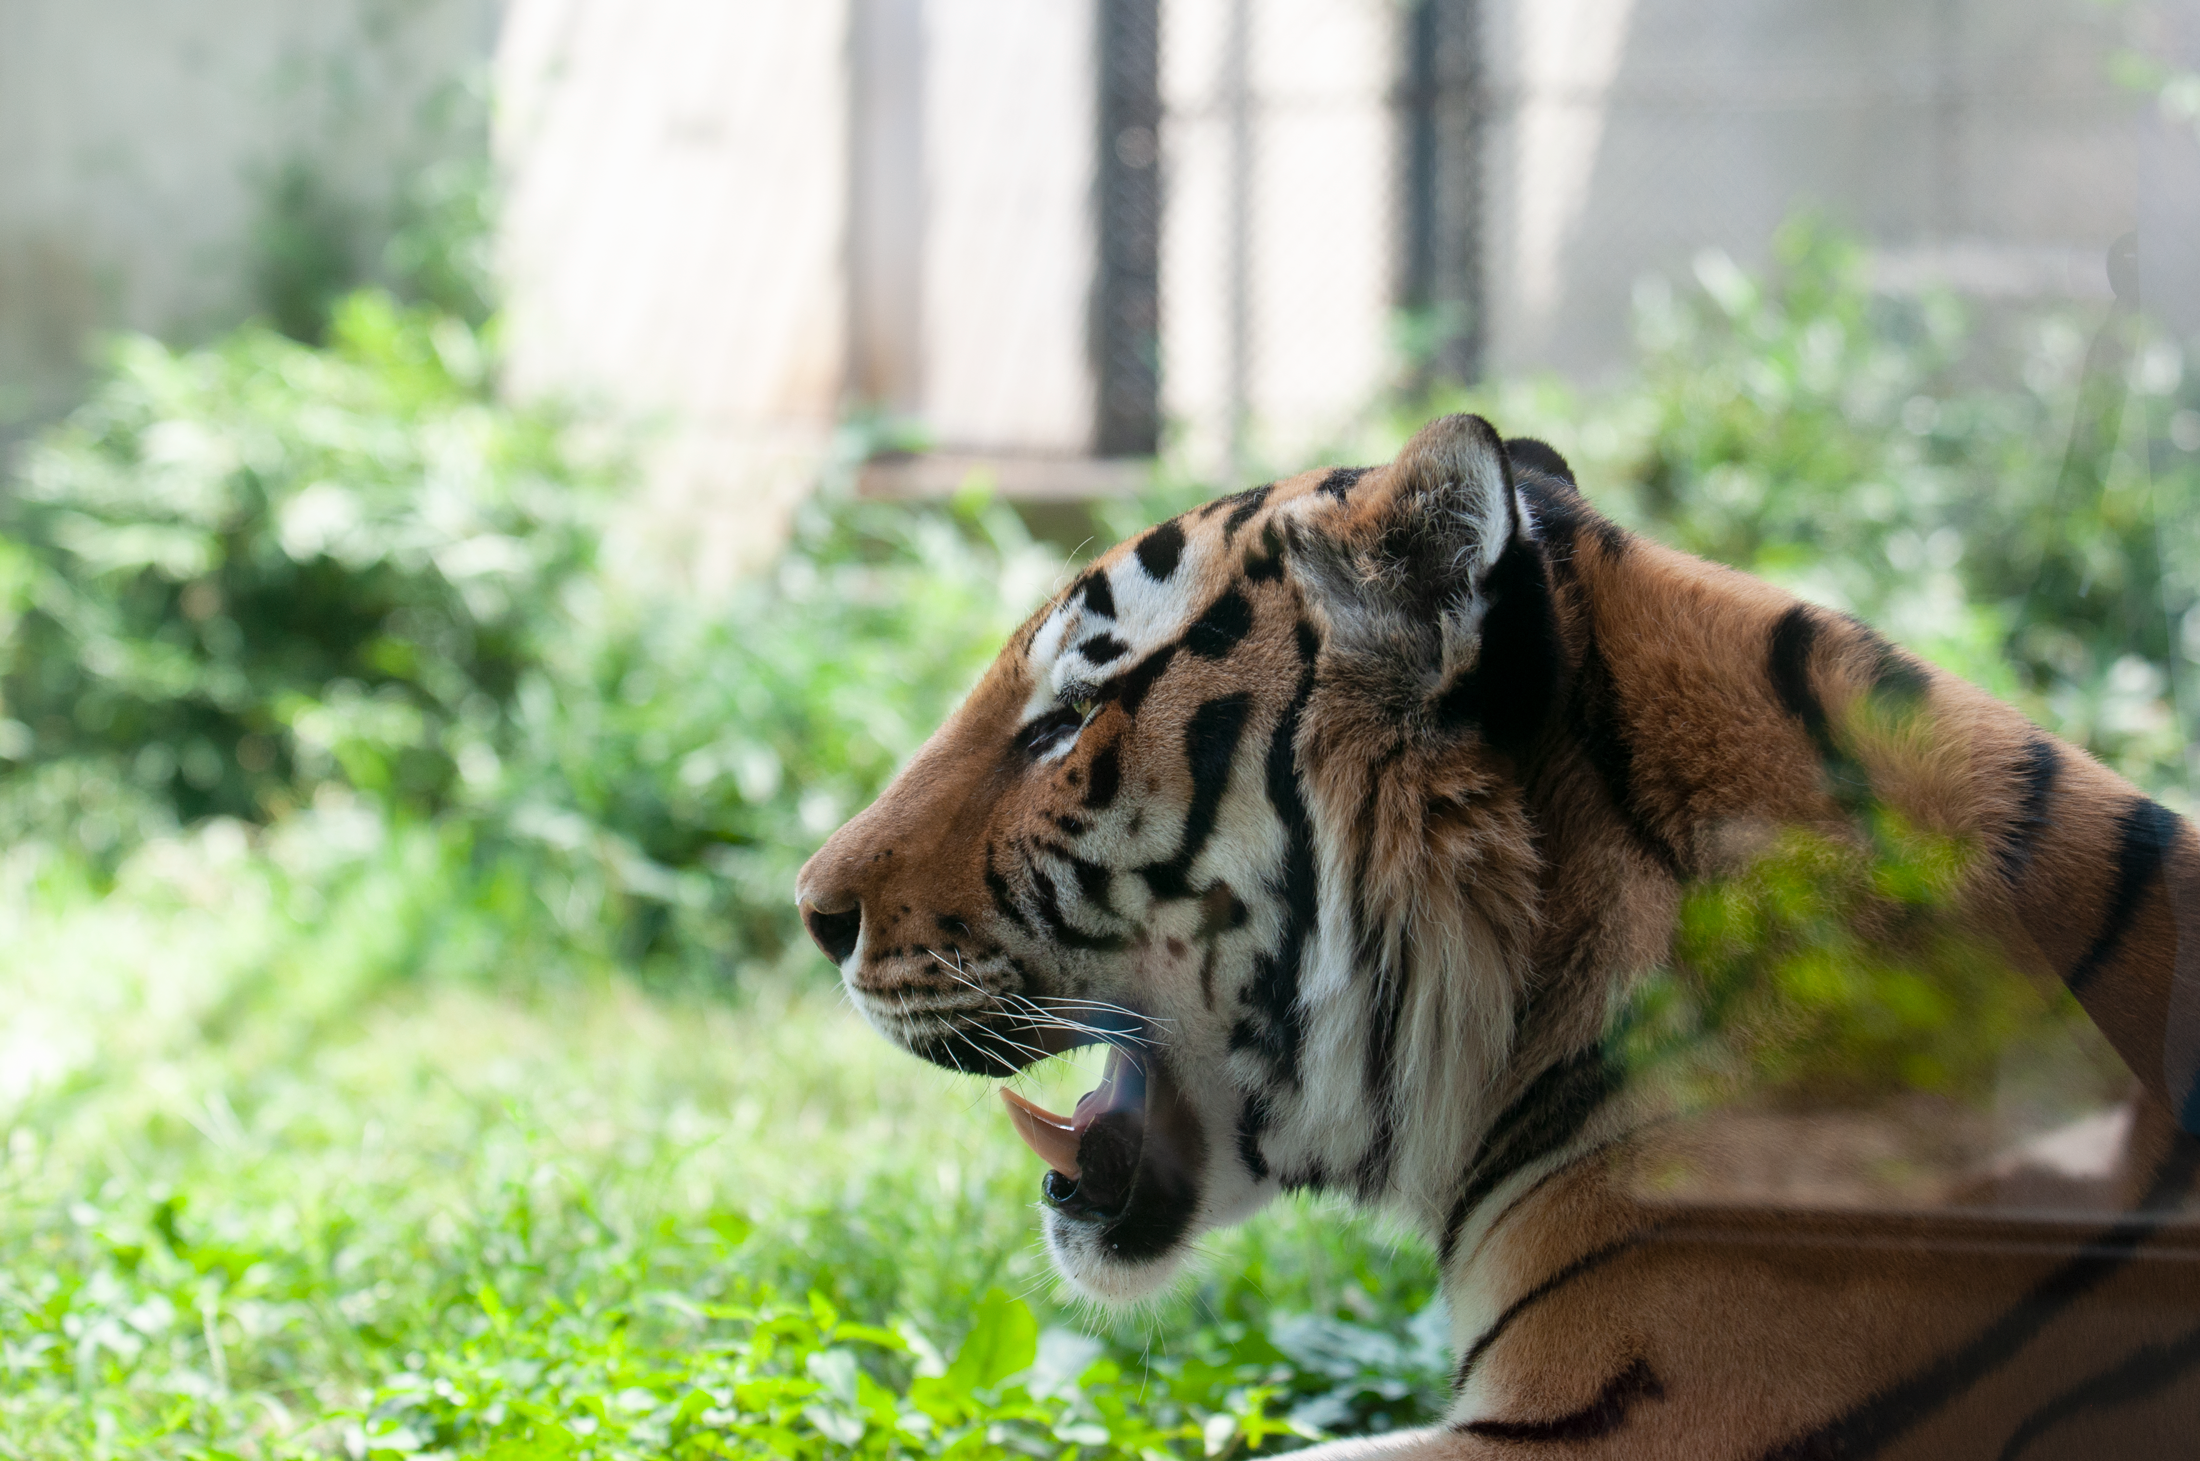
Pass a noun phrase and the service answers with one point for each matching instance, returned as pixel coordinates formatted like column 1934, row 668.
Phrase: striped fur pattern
column 1350, row 809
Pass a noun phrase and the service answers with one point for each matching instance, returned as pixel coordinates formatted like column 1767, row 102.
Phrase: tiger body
column 1352, row 809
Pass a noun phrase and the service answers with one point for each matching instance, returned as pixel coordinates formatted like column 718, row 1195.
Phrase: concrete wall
column 677, row 236
column 1275, row 301
column 1981, row 142
column 142, row 141
column 1978, row 144
column 671, row 243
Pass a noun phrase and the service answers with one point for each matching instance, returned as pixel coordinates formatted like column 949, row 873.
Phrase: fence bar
column 1440, row 274
column 1126, row 307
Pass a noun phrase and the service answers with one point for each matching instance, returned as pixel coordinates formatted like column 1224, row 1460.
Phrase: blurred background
column 488, row 486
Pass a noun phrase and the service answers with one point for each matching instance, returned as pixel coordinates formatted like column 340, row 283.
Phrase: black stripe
column 1509, row 693
column 1586, row 1264
column 1363, row 856
column 2144, row 833
column 1252, row 1121
column 1594, row 1421
column 1372, row 961
column 1104, row 777
column 1787, row 661
column 1538, row 456
column 1210, row 745
column 997, row 886
column 1264, row 560
column 1160, row 550
column 1094, row 882
column 1102, row 648
column 1340, row 482
column 1379, row 1074
column 1597, row 713
column 1219, row 630
column 1058, row 927
column 1527, row 1194
column 1099, row 597
column 1540, row 1121
column 2037, row 773
column 1899, row 682
column 1788, row 654
column 1248, row 502
column 1866, row 1428
column 2146, row 1371
column 1561, row 513
column 1207, row 510
column 1273, row 1024
column 1130, row 688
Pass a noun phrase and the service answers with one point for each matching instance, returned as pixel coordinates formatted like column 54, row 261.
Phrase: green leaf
column 1002, row 1342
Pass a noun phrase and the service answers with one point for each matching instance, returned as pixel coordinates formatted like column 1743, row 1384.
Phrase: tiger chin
column 1349, row 811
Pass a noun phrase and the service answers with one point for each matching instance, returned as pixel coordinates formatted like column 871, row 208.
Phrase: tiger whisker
column 1031, row 1052
column 1062, row 1022
column 1045, row 1020
column 1105, row 1007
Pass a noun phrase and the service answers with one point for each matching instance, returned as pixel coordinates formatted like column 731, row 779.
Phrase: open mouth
column 1127, row 1159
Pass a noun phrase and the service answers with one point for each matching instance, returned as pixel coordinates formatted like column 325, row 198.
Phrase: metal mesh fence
column 1358, row 194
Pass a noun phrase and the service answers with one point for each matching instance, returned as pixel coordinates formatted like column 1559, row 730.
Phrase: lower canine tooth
column 1051, row 1136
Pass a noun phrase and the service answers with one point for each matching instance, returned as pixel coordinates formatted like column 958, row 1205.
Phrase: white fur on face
column 1148, row 614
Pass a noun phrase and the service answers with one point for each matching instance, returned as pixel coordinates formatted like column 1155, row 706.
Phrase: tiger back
column 1353, row 813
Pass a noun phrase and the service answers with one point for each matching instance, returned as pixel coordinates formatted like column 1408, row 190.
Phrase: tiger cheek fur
column 1349, row 809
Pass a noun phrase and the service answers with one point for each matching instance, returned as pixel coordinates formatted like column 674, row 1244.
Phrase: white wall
column 1981, row 139
column 1007, row 247
column 1319, row 230
column 138, row 139
column 672, row 243
column 675, row 239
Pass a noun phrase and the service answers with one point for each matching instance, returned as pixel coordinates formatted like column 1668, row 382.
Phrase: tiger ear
column 1404, row 568
column 1527, row 454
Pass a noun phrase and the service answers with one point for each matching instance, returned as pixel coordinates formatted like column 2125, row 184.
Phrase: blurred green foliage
column 1830, row 973
column 237, row 572
column 1960, row 478
column 1961, row 483
column 2004, row 496
column 246, row 576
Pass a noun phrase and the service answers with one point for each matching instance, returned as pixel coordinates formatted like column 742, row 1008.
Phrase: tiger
column 1350, row 810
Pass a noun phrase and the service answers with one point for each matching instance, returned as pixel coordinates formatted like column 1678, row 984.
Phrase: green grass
column 304, row 1159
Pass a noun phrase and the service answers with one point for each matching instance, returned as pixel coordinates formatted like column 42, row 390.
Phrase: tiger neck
column 1665, row 713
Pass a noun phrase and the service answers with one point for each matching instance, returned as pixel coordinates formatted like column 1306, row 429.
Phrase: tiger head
column 1227, row 804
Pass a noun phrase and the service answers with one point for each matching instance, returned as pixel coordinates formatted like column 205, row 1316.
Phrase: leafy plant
column 244, row 577
column 238, row 573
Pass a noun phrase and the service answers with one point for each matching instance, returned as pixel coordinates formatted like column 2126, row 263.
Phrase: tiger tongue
column 1053, row 1137
column 1057, row 1138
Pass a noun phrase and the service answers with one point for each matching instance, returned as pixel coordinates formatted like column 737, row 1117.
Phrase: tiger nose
column 829, row 892
column 835, row 930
